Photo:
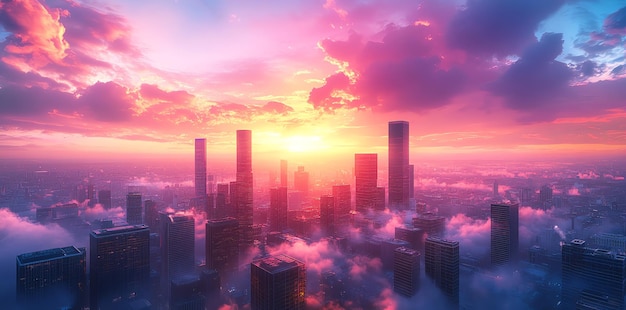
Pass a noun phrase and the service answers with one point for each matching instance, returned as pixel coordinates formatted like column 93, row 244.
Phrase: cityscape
column 332, row 154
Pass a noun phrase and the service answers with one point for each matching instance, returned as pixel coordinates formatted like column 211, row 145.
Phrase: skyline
column 108, row 80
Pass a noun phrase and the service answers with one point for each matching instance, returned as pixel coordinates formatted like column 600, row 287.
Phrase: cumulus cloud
column 98, row 212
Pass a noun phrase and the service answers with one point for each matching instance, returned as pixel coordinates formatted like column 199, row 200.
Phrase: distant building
column 278, row 209
column 284, row 180
column 433, row 225
column 222, row 250
column 366, row 177
column 608, row 241
column 200, row 168
column 151, row 216
column 387, row 251
column 133, row 208
column 504, row 233
column 221, row 201
column 545, row 194
column 379, row 199
column 278, row 282
column 406, row 271
column 442, row 266
column 592, row 278
column 343, row 206
column 327, row 215
column 177, row 246
column 414, row 236
column 53, row 278
column 104, row 198
column 399, row 165
column 187, row 293
column 119, row 260
column 301, row 181
column 243, row 192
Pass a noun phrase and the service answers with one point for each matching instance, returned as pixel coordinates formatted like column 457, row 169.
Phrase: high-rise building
column 592, row 278
column 327, row 215
column 222, row 245
column 366, row 176
column 433, row 225
column 151, row 216
column 414, row 236
column 221, row 201
column 343, row 206
column 278, row 282
column 187, row 293
column 379, row 199
column 301, row 181
column 177, row 246
column 200, row 168
column 53, row 278
column 104, row 198
column 545, row 194
column 441, row 265
column 406, row 271
column 244, row 190
column 504, row 233
column 284, row 179
column 411, row 181
column 119, row 261
column 133, row 208
column 399, row 165
column 278, row 209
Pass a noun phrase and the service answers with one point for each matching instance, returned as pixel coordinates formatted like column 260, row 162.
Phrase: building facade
column 504, row 233
column 366, row 177
column 133, row 208
column 441, row 264
column 278, row 282
column 406, row 271
column 200, row 168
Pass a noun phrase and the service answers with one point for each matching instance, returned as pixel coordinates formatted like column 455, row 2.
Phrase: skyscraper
column 406, row 271
column 442, row 266
column 222, row 245
column 133, row 208
column 327, row 215
column 301, row 181
column 177, row 246
column 278, row 282
column 343, row 206
column 119, row 261
column 504, row 233
column 278, row 209
column 411, row 181
column 151, row 216
column 366, row 176
column 200, row 168
column 104, row 198
column 243, row 190
column 53, row 278
column 592, row 278
column 414, row 236
column 284, row 179
column 433, row 225
column 398, row 165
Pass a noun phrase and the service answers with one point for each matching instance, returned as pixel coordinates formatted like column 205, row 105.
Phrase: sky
column 477, row 78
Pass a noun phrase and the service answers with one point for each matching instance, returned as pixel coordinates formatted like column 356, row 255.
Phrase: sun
column 303, row 143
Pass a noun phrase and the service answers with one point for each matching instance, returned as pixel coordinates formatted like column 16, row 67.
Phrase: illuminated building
column 133, row 208
column 278, row 209
column 301, row 181
column 366, row 176
column 504, row 233
column 278, row 282
column 200, row 168
column 177, row 246
column 441, row 265
column 343, row 205
column 406, row 271
column 399, row 165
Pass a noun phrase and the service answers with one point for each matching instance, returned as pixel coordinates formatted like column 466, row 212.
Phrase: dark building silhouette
column 414, row 236
column 187, row 293
column 504, row 233
column 53, row 278
column 151, row 217
column 278, row 282
column 406, row 271
column 200, row 169
column 133, row 208
column 284, row 179
column 592, row 278
column 433, row 225
column 177, row 246
column 379, row 199
column 343, row 206
column 222, row 250
column 399, row 165
column 387, row 251
column 243, row 189
column 119, row 260
column 222, row 201
column 327, row 215
column 411, row 181
column 441, row 265
column 301, row 181
column 104, row 198
column 366, row 176
column 278, row 209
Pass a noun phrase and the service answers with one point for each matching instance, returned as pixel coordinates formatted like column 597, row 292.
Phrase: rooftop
column 408, row 251
column 275, row 264
column 443, row 241
column 49, row 254
column 117, row 230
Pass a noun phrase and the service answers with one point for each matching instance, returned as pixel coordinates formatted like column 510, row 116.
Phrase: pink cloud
column 98, row 212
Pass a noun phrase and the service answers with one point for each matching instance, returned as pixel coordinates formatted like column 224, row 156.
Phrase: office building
column 53, row 278
column 278, row 209
column 301, row 181
column 327, row 215
column 441, row 265
column 343, row 206
column 177, row 246
column 366, row 176
column 414, row 236
column 222, row 201
column 119, row 260
column 406, row 271
column 151, row 215
column 387, row 249
column 284, row 180
column 432, row 225
column 545, row 194
column 379, row 199
column 278, row 282
column 133, row 208
column 592, row 278
column 222, row 250
column 243, row 190
column 504, row 233
column 187, row 293
column 399, row 165
column 200, row 169
column 104, row 198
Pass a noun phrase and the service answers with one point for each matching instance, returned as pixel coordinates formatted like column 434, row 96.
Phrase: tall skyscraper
column 104, row 198
column 399, row 165
column 592, row 278
column 411, row 181
column 327, row 215
column 151, row 215
column 343, row 206
column 442, row 266
column 177, row 246
column 284, row 179
column 53, row 278
column 433, row 225
column 278, row 282
column 366, row 176
column 406, row 271
column 244, row 190
column 222, row 245
column 414, row 236
column 200, row 168
column 301, row 181
column 119, row 261
column 278, row 209
column 221, row 201
column 504, row 233
column 133, row 208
